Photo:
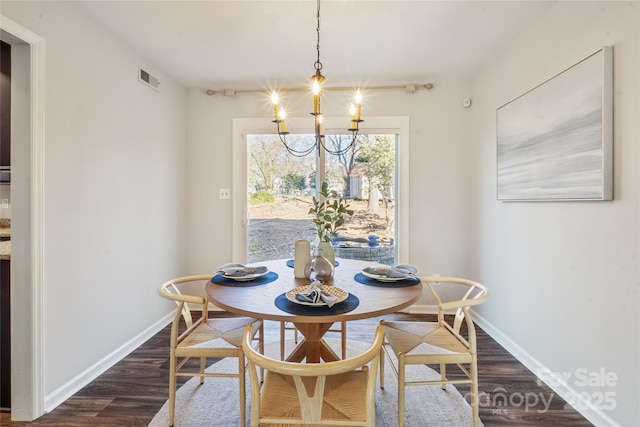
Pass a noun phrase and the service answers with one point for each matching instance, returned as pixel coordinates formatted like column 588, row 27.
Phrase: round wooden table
column 258, row 302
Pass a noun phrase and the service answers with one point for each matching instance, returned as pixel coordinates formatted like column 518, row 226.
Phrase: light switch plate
column 5, row 204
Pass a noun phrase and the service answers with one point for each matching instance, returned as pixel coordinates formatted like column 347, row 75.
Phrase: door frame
column 27, row 368
column 399, row 125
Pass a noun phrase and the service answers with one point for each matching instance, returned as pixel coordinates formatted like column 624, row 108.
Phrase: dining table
column 266, row 298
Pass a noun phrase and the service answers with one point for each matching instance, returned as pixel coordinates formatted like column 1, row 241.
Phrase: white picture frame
column 555, row 142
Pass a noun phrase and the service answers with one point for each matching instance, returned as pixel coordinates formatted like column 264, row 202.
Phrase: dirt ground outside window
column 274, row 227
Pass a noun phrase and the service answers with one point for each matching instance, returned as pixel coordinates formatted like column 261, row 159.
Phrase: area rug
column 215, row 403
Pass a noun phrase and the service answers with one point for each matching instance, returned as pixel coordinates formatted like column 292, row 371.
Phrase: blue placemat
column 361, row 278
column 345, row 306
column 267, row 278
column 290, row 263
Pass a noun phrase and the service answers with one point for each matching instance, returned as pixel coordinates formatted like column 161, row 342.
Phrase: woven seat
column 314, row 394
column 438, row 343
column 205, row 338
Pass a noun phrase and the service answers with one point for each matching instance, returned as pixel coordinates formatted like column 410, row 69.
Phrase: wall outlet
column 5, row 204
column 225, row 193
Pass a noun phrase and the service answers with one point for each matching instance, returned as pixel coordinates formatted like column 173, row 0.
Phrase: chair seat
column 438, row 343
column 344, row 396
column 205, row 338
column 217, row 333
column 339, row 393
column 426, row 342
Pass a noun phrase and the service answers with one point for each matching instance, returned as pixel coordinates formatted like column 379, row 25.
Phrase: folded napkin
column 239, row 270
column 403, row 270
column 315, row 294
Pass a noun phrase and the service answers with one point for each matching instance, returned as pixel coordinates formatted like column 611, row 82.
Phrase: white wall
column 564, row 275
column 114, row 182
column 438, row 178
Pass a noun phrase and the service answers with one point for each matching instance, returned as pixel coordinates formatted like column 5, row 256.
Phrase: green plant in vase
column 329, row 215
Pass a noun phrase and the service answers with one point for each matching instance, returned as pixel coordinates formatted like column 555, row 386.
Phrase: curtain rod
column 409, row 88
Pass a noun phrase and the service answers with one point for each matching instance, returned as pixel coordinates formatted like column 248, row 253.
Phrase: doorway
column 5, row 217
column 27, row 110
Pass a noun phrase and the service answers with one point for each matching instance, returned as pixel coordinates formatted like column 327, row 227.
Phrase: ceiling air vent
column 148, row 79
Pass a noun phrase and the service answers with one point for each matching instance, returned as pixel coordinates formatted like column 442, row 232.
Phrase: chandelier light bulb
column 358, row 97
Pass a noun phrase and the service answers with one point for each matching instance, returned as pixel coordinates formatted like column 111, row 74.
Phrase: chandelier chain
column 318, row 64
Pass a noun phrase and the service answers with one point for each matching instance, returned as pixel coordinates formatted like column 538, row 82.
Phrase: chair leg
column 203, row 363
column 241, row 380
column 475, row 409
column 401, row 369
column 281, row 340
column 172, row 389
column 343, row 333
column 443, row 375
column 382, row 357
column 261, row 348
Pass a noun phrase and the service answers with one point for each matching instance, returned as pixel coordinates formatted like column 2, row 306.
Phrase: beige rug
column 215, row 403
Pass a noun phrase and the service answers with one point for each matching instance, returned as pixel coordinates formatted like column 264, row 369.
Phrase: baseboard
column 553, row 380
column 55, row 398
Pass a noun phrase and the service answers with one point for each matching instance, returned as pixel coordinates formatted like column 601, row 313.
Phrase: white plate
column 246, row 277
column 340, row 295
column 383, row 278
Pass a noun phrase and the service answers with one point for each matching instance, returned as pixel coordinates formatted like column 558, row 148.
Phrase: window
column 274, row 194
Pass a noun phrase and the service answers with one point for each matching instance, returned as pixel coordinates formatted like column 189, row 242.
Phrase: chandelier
column 316, row 89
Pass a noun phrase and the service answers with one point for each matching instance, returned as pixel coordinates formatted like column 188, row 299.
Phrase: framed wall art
column 555, row 142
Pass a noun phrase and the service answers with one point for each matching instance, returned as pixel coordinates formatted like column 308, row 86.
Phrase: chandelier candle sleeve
column 354, row 123
column 315, row 87
column 283, row 123
column 358, row 105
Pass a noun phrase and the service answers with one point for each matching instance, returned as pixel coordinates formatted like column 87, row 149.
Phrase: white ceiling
column 263, row 44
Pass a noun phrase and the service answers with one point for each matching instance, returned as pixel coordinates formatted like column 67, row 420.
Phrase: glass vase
column 319, row 268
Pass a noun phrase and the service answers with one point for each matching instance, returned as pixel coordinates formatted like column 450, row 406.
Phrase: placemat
column 290, row 263
column 361, row 278
column 267, row 278
column 345, row 306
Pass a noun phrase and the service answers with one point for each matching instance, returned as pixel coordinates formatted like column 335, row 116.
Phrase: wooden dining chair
column 205, row 338
column 331, row 393
column 288, row 326
column 438, row 343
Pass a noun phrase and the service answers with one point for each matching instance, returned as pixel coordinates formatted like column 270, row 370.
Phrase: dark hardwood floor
column 130, row 393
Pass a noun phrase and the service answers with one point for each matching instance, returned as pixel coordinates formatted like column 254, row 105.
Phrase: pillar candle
column 301, row 256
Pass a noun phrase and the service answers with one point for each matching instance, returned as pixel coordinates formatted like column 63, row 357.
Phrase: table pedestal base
column 313, row 347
